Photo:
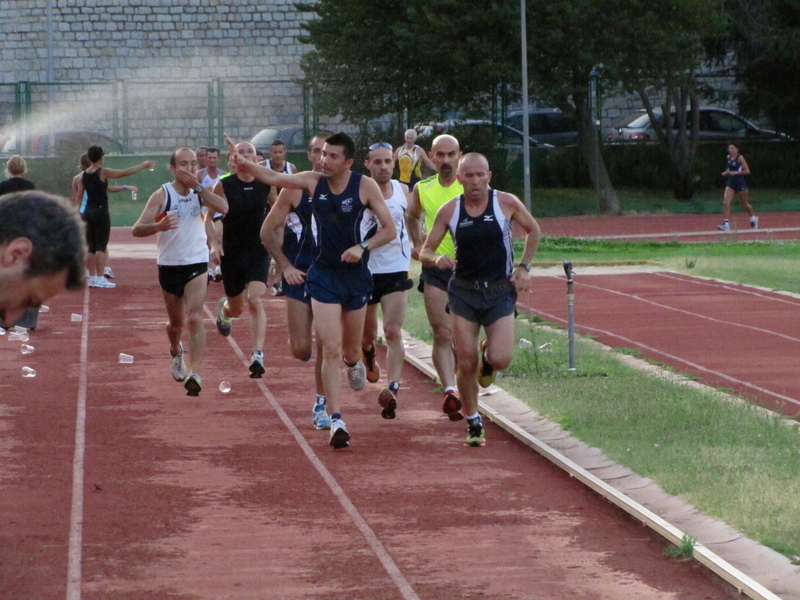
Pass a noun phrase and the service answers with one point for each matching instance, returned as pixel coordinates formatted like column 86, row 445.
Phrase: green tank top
column 432, row 195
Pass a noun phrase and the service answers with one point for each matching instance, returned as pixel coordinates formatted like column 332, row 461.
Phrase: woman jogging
column 734, row 184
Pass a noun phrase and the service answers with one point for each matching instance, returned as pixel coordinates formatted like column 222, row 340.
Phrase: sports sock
column 449, row 388
column 335, row 416
column 394, row 386
column 475, row 419
column 321, row 400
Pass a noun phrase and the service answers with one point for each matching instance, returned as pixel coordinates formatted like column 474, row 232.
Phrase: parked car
column 547, row 125
column 715, row 124
column 478, row 134
column 291, row 135
column 66, row 142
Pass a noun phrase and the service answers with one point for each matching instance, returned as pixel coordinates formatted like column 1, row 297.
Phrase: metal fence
column 148, row 116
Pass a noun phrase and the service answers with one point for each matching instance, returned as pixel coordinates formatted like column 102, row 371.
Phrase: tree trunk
column 607, row 201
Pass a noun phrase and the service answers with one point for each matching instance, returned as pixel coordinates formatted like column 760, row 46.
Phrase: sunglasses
column 377, row 145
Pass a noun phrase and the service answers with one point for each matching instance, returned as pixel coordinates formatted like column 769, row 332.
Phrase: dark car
column 479, row 135
column 715, row 124
column 291, row 135
column 547, row 125
column 66, row 142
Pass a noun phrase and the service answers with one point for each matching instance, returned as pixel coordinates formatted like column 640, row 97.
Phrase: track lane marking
column 74, row 574
column 372, row 540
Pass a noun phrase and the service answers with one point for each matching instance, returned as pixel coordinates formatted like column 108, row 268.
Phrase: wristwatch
column 364, row 245
column 199, row 188
column 526, row 266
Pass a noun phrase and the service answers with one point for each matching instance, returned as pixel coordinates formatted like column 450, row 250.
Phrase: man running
column 483, row 291
column 428, row 196
column 209, row 176
column 390, row 283
column 244, row 260
column 288, row 235
column 277, row 162
column 339, row 281
column 409, row 158
column 175, row 213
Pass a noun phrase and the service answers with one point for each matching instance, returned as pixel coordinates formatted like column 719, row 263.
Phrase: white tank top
column 188, row 244
column 210, row 182
column 394, row 256
column 287, row 166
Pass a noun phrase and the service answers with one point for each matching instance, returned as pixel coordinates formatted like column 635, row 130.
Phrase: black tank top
column 248, row 205
column 96, row 190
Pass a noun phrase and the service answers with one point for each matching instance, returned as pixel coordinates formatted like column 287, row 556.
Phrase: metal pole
column 526, row 128
column 570, row 317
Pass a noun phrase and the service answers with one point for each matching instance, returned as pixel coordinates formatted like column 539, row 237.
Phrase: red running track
column 731, row 336
column 116, row 485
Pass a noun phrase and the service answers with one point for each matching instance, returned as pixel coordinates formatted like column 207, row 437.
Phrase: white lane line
column 74, row 577
column 672, row 357
column 644, row 236
column 725, row 323
column 739, row 289
column 375, row 544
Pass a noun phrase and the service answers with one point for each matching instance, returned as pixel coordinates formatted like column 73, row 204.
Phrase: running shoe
column 223, row 323
column 476, row 436
column 101, row 282
column 257, row 364
column 486, row 372
column 452, row 406
column 193, row 385
column 754, row 223
column 277, row 288
column 217, row 273
column 339, row 436
column 388, row 402
column 107, row 272
column 320, row 418
column 373, row 368
column 177, row 365
column 357, row 375
column 725, row 226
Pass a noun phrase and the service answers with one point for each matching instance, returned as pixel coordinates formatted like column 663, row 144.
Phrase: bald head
column 473, row 160
column 247, row 150
column 444, row 154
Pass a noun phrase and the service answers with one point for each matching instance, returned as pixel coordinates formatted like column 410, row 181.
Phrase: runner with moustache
column 390, row 283
column 277, row 162
column 483, row 290
column 243, row 259
column 427, row 197
column 339, row 281
column 175, row 213
column 288, row 236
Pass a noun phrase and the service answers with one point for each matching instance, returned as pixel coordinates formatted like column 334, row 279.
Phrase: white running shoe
column 193, row 385
column 357, row 375
column 107, row 272
column 754, row 223
column 101, row 282
column 725, row 226
column 177, row 365
column 339, row 436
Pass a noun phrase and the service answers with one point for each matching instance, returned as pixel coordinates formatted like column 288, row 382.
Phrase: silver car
column 715, row 124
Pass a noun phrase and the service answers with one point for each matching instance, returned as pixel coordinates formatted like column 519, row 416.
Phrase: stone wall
column 145, row 67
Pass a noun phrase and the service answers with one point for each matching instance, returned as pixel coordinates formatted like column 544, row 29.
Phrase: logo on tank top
column 347, row 205
column 465, row 223
column 323, row 196
column 488, row 218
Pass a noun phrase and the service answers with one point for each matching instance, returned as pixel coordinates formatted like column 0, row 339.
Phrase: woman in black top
column 16, row 168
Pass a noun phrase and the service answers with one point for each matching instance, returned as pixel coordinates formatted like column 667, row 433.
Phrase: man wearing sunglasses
column 390, row 283
column 427, row 197
column 339, row 281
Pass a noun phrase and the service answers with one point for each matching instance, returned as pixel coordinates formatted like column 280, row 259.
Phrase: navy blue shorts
column 240, row 268
column 480, row 302
column 351, row 288
column 384, row 284
column 736, row 183
column 173, row 278
column 295, row 292
column 438, row 278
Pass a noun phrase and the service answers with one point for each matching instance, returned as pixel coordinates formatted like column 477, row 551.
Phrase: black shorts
column 173, row 278
column 241, row 267
column 351, row 288
column 482, row 302
column 438, row 278
column 98, row 228
column 384, row 284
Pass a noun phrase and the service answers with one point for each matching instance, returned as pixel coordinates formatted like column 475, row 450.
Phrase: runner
column 428, row 196
column 288, row 235
column 339, row 281
column 244, row 260
column 735, row 184
column 277, row 162
column 483, row 290
column 409, row 158
column 175, row 213
column 390, row 283
column 209, row 176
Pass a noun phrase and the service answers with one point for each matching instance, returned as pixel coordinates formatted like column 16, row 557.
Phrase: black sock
column 394, row 386
column 336, row 416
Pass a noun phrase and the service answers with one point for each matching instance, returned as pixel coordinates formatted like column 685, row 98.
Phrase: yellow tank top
column 408, row 164
column 432, row 195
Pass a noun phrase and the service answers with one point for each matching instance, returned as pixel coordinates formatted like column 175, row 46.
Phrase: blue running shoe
column 320, row 417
